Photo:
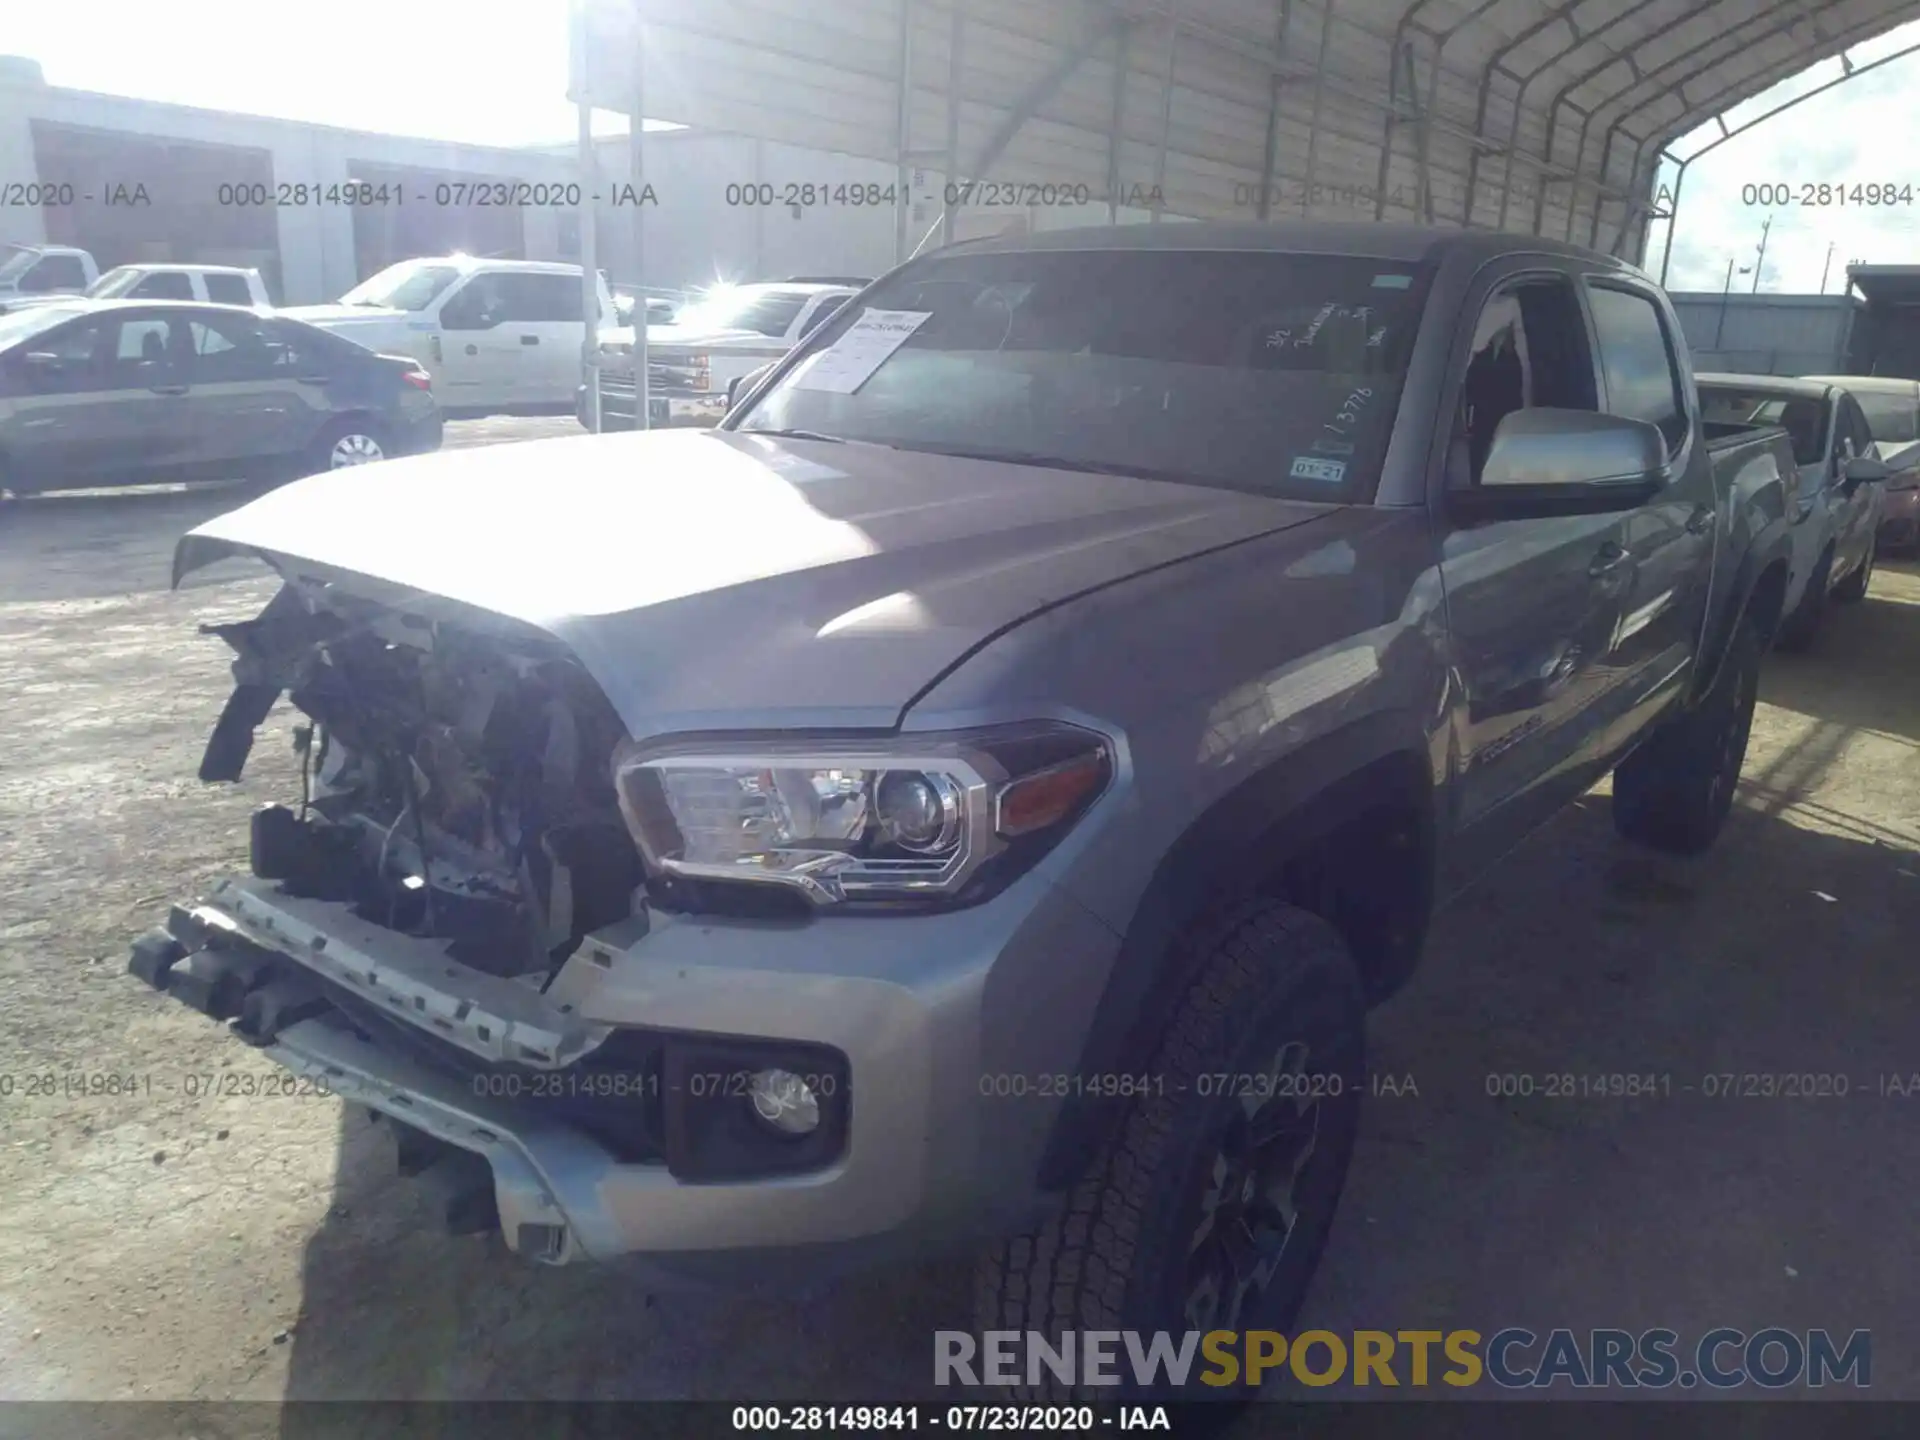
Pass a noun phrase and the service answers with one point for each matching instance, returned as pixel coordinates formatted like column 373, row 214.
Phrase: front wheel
column 1209, row 1208
column 1674, row 792
column 1853, row 589
column 1798, row 629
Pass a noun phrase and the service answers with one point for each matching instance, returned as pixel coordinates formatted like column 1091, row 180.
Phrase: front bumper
column 929, row 1158
column 669, row 408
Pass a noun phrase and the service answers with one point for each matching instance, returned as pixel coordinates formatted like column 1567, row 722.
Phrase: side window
column 1643, row 382
column 54, row 272
column 163, row 285
column 822, row 313
column 475, row 306
column 772, row 315
column 1530, row 348
column 140, row 356
column 225, row 351
column 539, row 299
column 229, row 290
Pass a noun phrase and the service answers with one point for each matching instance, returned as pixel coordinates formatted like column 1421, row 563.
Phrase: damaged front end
column 456, row 841
column 454, row 786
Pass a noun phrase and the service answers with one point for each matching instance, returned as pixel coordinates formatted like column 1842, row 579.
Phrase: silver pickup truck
column 973, row 797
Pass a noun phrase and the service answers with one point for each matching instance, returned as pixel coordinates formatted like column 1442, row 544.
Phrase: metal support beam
column 903, row 171
column 637, row 165
column 1042, row 89
column 1319, row 108
column 956, row 74
column 1116, row 119
column 1166, row 117
column 1728, row 133
column 1794, row 10
column 1270, row 149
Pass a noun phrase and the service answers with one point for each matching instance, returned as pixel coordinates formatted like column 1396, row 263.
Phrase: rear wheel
column 1853, row 589
column 1675, row 791
column 1212, row 1203
column 347, row 443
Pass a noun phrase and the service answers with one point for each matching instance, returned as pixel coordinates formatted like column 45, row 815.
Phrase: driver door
column 1532, row 605
column 478, row 360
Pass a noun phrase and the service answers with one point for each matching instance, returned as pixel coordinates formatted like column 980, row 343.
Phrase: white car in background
column 497, row 336
column 696, row 365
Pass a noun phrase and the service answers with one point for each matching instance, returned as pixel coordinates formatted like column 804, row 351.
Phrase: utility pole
column 1760, row 264
column 1827, row 268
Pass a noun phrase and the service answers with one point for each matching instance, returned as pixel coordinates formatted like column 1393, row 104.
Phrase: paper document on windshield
column 847, row 364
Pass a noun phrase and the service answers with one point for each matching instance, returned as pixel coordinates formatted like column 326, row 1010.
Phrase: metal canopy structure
column 1546, row 116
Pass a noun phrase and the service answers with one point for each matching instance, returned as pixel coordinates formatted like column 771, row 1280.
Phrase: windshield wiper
column 1057, row 462
column 797, row 435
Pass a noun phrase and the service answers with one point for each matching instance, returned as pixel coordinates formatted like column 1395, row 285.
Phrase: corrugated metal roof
column 1541, row 117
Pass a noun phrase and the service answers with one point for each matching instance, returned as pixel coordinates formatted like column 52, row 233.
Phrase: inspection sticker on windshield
column 850, row 361
column 1308, row 468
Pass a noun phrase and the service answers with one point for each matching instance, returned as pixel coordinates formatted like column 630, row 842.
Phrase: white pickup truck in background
column 696, row 364
column 217, row 284
column 498, row 336
column 29, row 274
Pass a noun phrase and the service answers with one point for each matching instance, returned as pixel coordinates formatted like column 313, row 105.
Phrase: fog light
column 784, row 1101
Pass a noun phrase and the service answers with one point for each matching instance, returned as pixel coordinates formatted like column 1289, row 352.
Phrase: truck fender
column 1242, row 840
column 1759, row 589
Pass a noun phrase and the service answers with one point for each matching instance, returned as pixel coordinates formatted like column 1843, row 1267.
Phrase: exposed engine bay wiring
column 453, row 785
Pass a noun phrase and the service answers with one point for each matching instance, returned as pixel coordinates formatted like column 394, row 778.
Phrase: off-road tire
column 1266, row 975
column 1853, row 589
column 1798, row 629
column 1674, row 792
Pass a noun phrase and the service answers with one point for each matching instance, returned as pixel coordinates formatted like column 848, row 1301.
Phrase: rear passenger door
column 1668, row 542
column 1532, row 605
column 247, row 401
column 543, row 319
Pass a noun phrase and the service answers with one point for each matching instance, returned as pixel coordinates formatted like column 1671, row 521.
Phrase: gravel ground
column 168, row 1246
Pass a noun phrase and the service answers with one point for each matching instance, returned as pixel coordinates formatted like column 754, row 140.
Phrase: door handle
column 529, row 339
column 168, row 389
column 1701, row 520
column 1608, row 558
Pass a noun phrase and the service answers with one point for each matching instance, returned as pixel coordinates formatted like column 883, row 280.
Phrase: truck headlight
column 882, row 821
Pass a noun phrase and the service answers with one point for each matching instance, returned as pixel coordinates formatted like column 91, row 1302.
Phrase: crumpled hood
column 713, row 579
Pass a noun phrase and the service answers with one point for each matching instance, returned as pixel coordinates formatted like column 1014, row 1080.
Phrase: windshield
column 25, row 324
column 116, row 281
column 1804, row 420
column 1889, row 416
column 750, row 307
column 410, row 285
column 1261, row 371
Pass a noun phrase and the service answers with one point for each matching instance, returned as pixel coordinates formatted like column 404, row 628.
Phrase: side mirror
column 1865, row 470
column 1546, row 462
column 41, row 368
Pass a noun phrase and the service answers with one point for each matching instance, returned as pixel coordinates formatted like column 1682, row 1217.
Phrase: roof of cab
column 1374, row 240
column 1869, row 384
column 1787, row 385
